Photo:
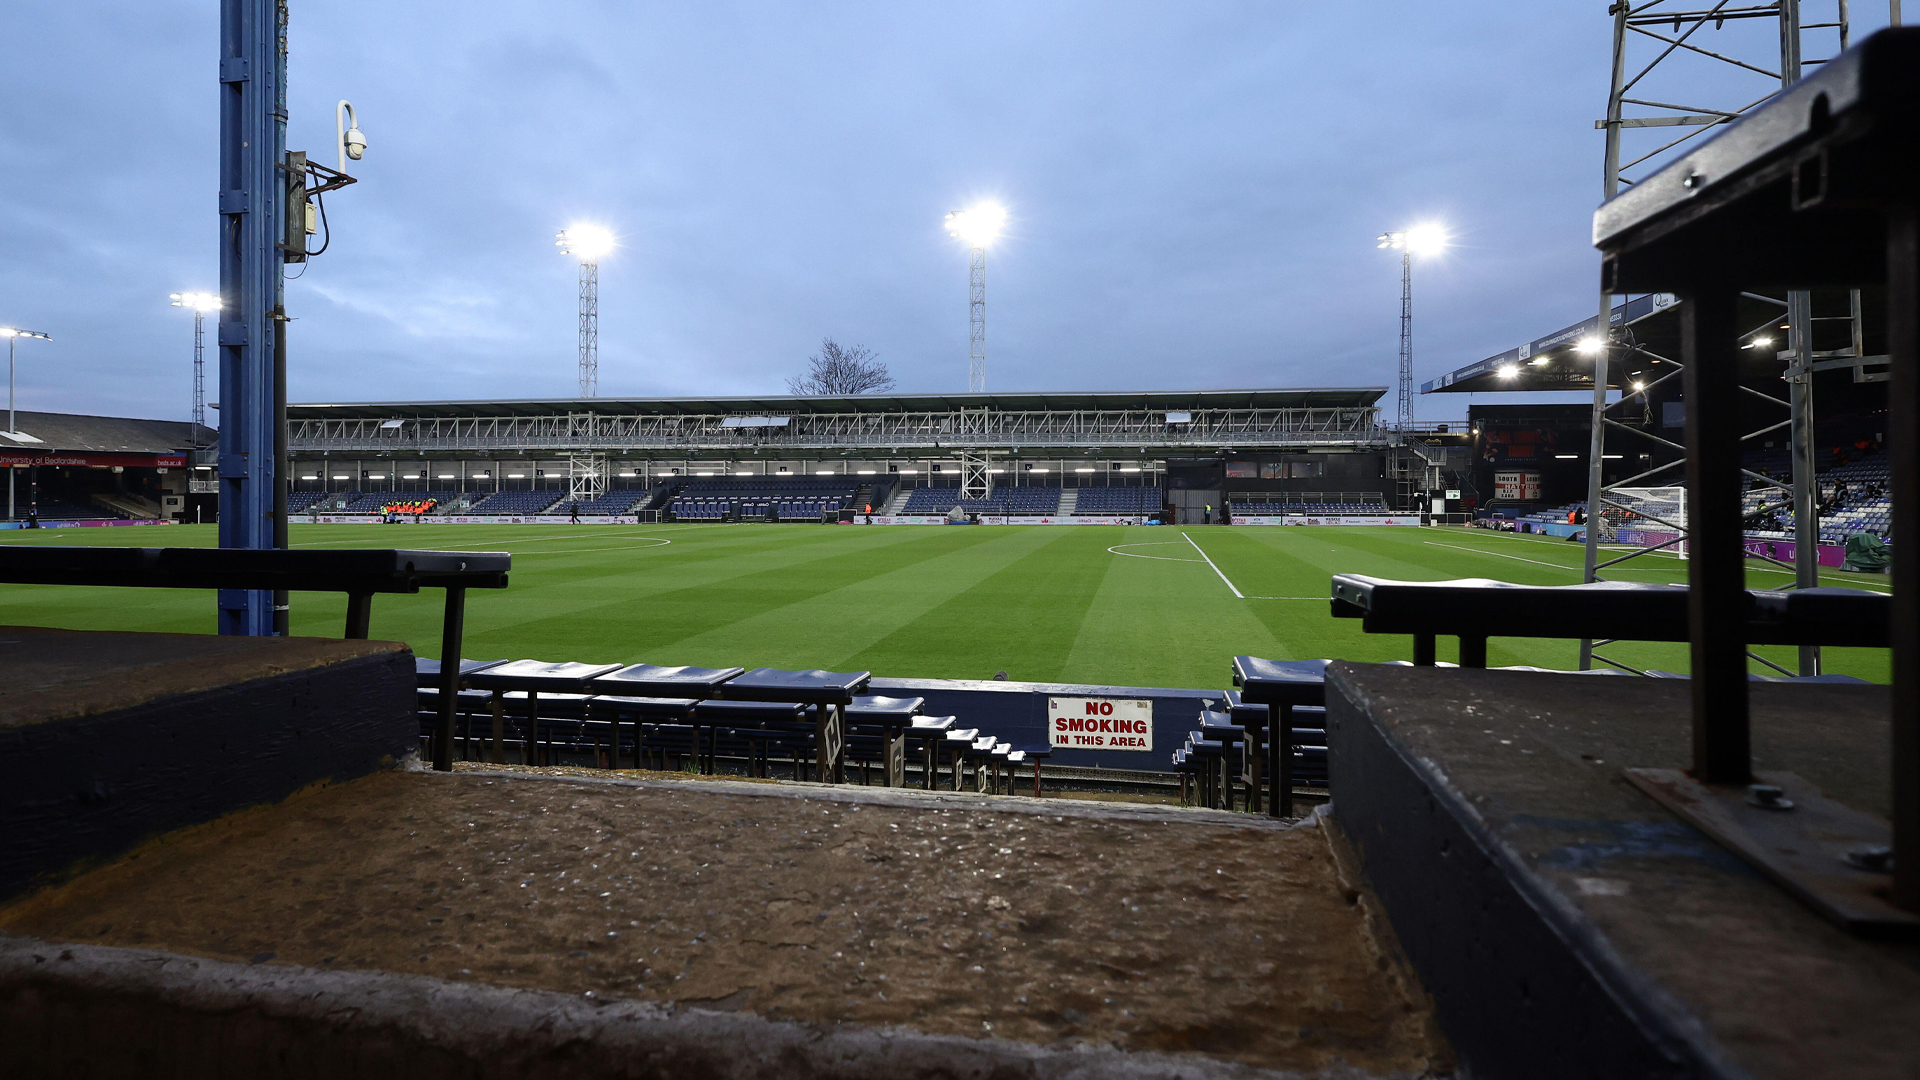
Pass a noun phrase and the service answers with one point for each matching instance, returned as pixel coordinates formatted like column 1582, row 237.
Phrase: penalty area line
column 1236, row 591
column 1504, row 555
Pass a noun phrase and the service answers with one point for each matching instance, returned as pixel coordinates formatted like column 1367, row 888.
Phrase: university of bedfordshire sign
column 1100, row 723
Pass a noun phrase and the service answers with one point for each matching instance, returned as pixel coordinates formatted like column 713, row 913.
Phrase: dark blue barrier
column 1016, row 712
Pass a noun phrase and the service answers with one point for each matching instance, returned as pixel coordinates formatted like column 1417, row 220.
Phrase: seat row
column 815, row 722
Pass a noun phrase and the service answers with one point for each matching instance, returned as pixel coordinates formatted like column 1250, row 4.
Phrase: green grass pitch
column 1098, row 604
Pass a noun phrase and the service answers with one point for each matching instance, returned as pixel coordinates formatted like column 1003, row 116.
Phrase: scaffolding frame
column 1670, row 30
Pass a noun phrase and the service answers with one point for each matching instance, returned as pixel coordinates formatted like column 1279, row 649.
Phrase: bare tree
column 841, row 371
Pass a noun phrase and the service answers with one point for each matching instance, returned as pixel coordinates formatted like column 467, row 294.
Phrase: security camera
column 347, row 124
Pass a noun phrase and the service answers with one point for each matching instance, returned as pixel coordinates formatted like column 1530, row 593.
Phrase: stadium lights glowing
column 376, row 476
column 516, row 476
column 1591, row 346
column 996, row 471
column 1566, row 457
column 979, row 226
column 820, row 472
column 588, row 243
column 198, row 301
column 448, row 476
column 909, row 472
column 1538, row 360
column 1038, row 468
column 1082, row 470
column 626, row 474
column 1639, row 386
column 309, row 477
column 1419, row 240
column 1758, row 343
column 743, row 472
column 1129, row 468
column 862, row 472
column 1508, row 371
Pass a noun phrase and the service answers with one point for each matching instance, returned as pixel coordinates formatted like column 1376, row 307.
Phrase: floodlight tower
column 14, row 334
column 1420, row 240
column 977, row 227
column 200, row 303
column 589, row 244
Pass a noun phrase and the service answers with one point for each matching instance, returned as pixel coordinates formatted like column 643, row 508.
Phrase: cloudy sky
column 1194, row 190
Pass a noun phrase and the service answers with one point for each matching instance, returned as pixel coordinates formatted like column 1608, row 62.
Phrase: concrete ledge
column 77, row 1010
column 1569, row 926
column 111, row 738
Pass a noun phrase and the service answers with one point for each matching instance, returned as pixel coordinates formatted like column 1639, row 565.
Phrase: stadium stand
column 299, row 502
column 1308, row 503
column 761, row 498
column 374, row 502
column 516, row 502
column 620, row 501
column 1019, row 499
column 66, row 511
column 1120, row 500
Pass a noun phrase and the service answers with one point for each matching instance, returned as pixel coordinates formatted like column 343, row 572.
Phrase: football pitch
column 1153, row 606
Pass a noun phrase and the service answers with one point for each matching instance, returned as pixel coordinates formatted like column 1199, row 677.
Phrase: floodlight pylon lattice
column 589, row 328
column 586, row 477
column 199, row 377
column 1404, row 416
column 1667, row 32
column 977, row 320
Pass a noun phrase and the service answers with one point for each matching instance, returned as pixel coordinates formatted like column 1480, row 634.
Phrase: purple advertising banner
column 1830, row 554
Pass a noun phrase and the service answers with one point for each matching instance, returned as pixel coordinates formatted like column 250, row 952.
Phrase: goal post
column 1645, row 517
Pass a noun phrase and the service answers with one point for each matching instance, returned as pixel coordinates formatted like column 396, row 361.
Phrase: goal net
column 1646, row 516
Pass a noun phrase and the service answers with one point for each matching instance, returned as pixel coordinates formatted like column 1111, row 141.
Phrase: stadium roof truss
column 1123, row 423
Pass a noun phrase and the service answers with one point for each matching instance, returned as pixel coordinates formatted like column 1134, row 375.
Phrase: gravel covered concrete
column 1008, row 924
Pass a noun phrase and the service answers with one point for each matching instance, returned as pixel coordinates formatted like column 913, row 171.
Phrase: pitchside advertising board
column 1082, row 723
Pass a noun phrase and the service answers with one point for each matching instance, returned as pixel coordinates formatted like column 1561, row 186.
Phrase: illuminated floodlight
column 1591, row 346
column 1430, row 239
column 1538, row 361
column 1758, row 343
column 1639, row 386
column 979, row 226
column 1508, row 371
column 198, row 301
column 586, row 242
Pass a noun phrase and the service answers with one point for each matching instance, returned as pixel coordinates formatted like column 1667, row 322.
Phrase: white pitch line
column 1868, row 586
column 1236, row 591
column 622, row 547
column 1501, row 555
column 1157, row 543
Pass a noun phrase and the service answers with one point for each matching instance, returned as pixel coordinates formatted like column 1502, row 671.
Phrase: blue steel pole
column 253, row 126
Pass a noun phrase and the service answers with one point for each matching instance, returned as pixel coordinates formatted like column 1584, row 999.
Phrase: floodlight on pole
column 200, row 303
column 977, row 228
column 1422, row 240
column 14, row 334
column 589, row 244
